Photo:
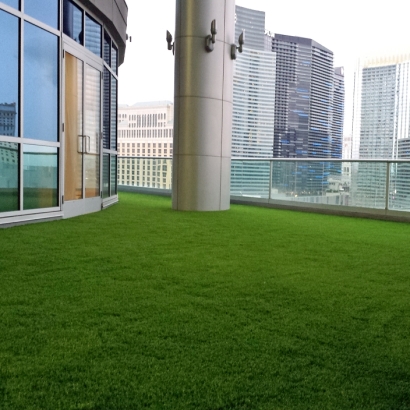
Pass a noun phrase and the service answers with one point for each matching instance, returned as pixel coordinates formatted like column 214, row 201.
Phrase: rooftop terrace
column 140, row 306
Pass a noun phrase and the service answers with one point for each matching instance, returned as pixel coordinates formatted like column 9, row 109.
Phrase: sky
column 351, row 29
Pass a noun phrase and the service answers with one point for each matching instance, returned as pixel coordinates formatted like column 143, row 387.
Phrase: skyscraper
column 381, row 129
column 381, row 116
column 309, row 100
column 253, row 103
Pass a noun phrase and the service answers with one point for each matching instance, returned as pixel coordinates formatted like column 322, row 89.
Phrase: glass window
column 106, row 110
column 93, row 35
column 9, row 177
column 40, row 177
column 113, row 113
column 12, row 3
column 43, row 10
column 114, row 58
column 9, row 78
column 73, row 22
column 40, row 84
column 107, row 49
column 106, row 176
column 113, row 175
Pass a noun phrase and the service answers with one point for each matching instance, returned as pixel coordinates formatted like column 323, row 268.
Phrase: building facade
column 58, row 106
column 309, row 109
column 381, row 129
column 145, row 131
column 309, row 100
column 381, row 118
column 253, row 104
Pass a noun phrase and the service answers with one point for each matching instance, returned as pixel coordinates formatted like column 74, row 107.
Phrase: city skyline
column 350, row 32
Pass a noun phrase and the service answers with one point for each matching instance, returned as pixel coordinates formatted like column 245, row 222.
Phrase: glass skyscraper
column 253, row 103
column 381, row 121
column 381, row 127
column 309, row 100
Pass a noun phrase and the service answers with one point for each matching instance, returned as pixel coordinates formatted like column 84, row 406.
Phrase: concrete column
column 203, row 106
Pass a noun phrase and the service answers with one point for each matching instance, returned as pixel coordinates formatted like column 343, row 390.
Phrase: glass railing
column 371, row 184
column 153, row 172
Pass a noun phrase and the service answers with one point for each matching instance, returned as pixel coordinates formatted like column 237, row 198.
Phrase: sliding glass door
column 82, row 135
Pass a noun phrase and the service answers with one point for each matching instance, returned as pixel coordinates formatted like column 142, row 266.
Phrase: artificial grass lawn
column 140, row 306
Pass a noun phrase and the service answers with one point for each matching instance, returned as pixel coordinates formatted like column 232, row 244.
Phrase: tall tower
column 253, row 89
column 304, row 100
column 253, row 104
column 381, row 118
column 381, row 129
column 309, row 102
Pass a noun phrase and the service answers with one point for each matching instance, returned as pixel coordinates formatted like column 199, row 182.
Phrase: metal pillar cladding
column 203, row 105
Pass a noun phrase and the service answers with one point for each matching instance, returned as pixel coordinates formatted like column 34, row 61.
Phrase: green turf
column 140, row 306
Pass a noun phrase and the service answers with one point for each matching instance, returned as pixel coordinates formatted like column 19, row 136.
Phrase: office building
column 8, row 115
column 58, row 106
column 309, row 100
column 309, row 107
column 381, row 117
column 253, row 104
column 381, row 128
column 145, row 135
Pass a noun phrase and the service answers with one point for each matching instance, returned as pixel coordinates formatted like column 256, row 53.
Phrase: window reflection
column 43, row 10
column 114, row 58
column 93, row 34
column 73, row 22
column 12, row 3
column 113, row 113
column 40, row 177
column 113, row 175
column 107, row 49
column 40, row 84
column 106, row 176
column 9, row 171
column 9, row 68
column 106, row 110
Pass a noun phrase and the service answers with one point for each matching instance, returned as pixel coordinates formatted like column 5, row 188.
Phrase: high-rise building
column 381, row 117
column 8, row 116
column 309, row 100
column 381, row 129
column 253, row 89
column 252, row 22
column 253, row 103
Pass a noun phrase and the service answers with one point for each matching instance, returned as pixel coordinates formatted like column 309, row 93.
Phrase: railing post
column 386, row 205
column 270, row 179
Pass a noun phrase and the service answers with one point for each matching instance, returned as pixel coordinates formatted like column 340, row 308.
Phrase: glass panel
column 113, row 113
column 146, row 172
column 40, row 166
column 113, row 175
column 12, row 3
column 106, row 176
column 92, row 35
column 250, row 178
column 9, row 171
column 73, row 176
column 106, row 109
column 43, row 10
column 114, row 58
column 73, row 21
column 92, row 129
column 107, row 48
column 40, row 84
column 9, row 77
column 368, row 186
column 399, row 189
